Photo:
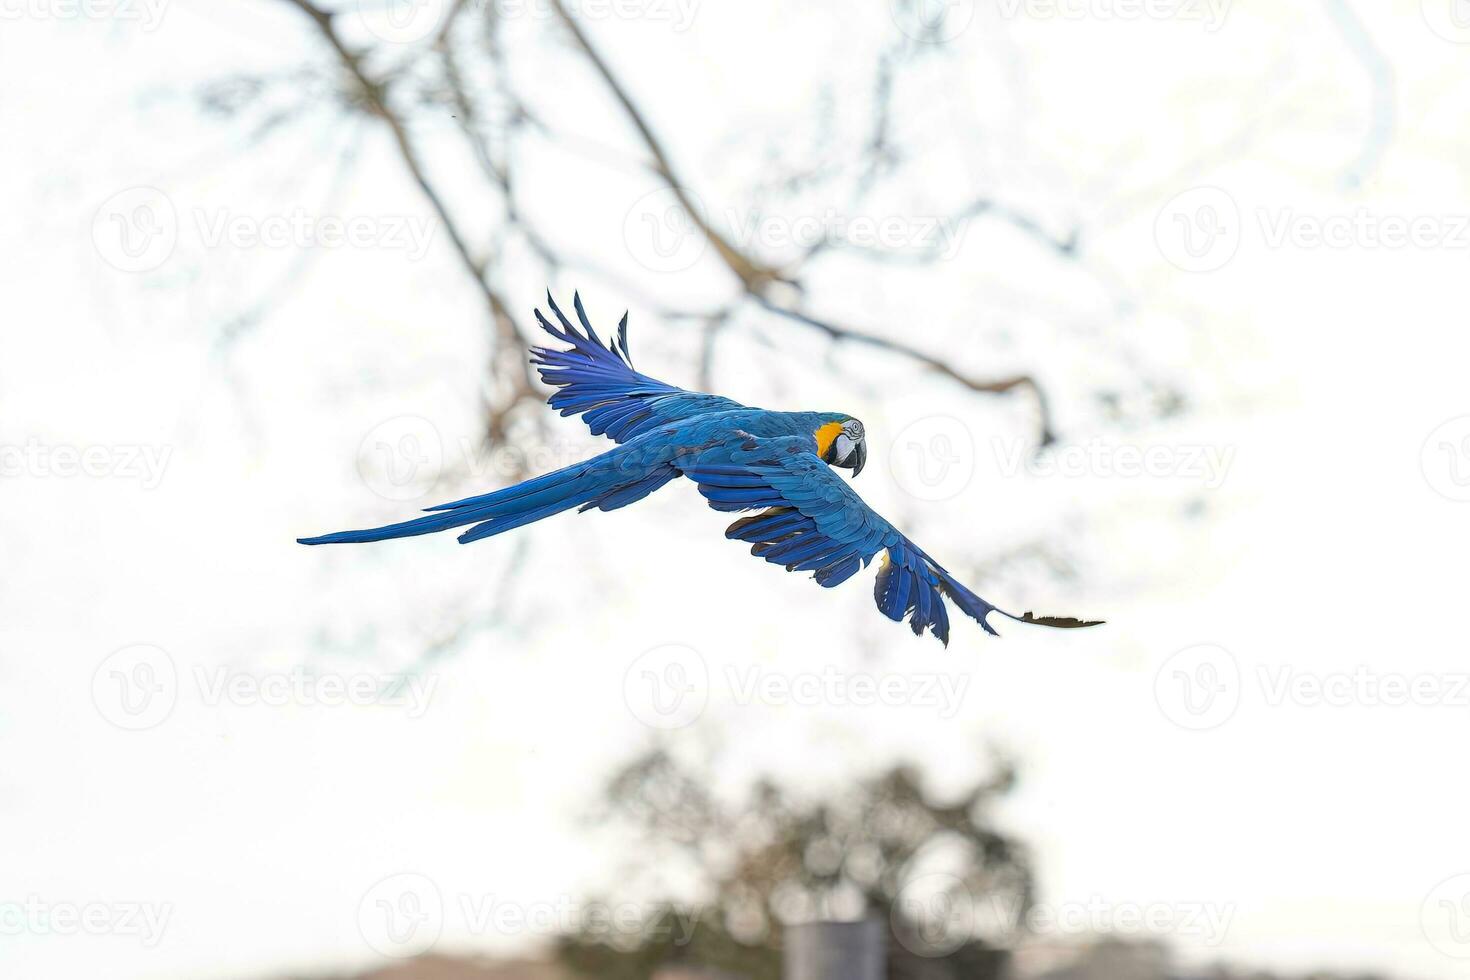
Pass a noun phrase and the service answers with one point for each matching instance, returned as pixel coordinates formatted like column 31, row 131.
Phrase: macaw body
column 740, row 458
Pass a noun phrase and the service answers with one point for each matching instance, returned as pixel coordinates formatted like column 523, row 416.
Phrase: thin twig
column 497, row 172
column 374, row 94
column 753, row 275
column 994, row 387
column 756, row 277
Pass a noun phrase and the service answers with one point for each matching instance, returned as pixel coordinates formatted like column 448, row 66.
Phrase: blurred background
column 1154, row 313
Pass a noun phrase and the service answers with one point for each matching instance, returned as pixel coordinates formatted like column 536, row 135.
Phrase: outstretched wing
column 599, row 383
column 811, row 520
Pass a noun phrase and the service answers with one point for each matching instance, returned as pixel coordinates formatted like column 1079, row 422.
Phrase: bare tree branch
column 375, row 98
column 753, row 275
column 999, row 386
column 497, row 172
column 756, row 277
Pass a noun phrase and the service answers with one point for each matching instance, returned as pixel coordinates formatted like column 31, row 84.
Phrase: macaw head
column 844, row 445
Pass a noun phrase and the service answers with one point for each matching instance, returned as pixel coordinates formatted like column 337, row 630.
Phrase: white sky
column 1329, row 548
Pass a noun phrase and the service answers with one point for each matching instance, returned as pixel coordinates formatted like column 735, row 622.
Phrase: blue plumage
column 741, row 459
column 600, row 384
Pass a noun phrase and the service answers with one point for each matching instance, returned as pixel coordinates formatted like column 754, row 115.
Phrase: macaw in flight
column 741, row 459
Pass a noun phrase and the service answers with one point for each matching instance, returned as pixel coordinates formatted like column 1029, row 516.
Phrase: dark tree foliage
column 779, row 856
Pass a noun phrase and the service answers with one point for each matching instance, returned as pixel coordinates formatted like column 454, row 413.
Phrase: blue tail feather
column 609, row 481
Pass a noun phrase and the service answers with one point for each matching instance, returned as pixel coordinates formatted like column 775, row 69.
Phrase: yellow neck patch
column 826, row 435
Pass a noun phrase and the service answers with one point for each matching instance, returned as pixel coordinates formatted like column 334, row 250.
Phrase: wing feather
column 599, row 383
column 811, row 520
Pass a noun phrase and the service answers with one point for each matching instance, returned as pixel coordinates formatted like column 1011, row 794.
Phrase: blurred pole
column 835, row 951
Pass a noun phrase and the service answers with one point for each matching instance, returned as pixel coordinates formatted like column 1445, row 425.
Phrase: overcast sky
column 1264, row 744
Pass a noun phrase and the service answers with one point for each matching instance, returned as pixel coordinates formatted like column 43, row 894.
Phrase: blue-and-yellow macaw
column 742, row 459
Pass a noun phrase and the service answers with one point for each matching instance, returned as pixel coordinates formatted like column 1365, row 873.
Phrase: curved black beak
column 860, row 456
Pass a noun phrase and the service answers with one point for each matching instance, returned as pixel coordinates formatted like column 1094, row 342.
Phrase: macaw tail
column 607, row 482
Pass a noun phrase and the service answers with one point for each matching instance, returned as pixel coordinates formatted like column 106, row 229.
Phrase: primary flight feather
column 779, row 464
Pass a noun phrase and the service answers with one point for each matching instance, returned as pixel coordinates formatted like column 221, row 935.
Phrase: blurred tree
column 466, row 74
column 882, row 847
column 504, row 115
